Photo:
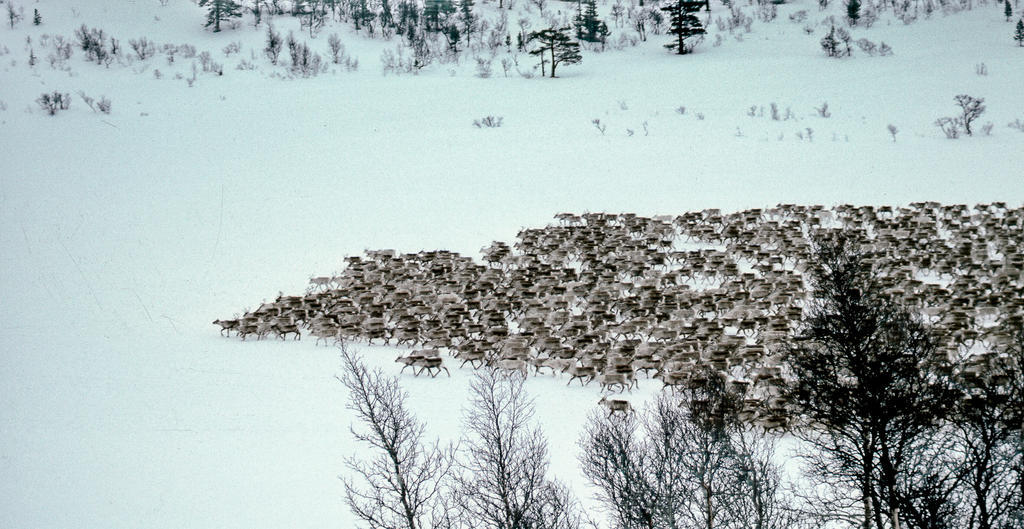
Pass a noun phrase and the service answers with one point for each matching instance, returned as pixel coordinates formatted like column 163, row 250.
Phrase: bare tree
column 400, row 486
column 988, row 427
column 695, row 466
column 502, row 481
column 866, row 388
column 759, row 501
column 970, row 109
column 621, row 468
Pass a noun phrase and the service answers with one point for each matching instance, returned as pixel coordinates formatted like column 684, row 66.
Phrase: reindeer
column 623, row 381
column 585, row 373
column 616, row 405
column 227, row 326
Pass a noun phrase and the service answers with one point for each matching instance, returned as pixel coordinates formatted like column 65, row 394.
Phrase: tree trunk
column 552, row 60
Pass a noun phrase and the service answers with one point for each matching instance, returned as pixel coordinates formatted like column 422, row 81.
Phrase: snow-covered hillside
column 123, row 235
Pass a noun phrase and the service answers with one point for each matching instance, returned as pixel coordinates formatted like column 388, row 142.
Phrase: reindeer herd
column 612, row 298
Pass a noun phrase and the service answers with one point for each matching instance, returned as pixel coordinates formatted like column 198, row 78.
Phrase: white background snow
column 122, row 236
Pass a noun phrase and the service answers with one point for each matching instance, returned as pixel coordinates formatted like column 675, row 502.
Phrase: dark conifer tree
column 38, row 19
column 466, row 14
column 1019, row 34
column 589, row 27
column 853, row 11
column 436, row 12
column 559, row 46
column 220, row 11
column 1007, row 10
column 683, row 23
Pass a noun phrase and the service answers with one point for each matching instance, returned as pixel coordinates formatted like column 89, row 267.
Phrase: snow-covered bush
column 483, row 68
column 94, row 43
column 232, row 48
column 274, row 44
column 104, row 105
column 950, row 127
column 54, row 102
column 339, row 55
column 143, row 48
column 14, row 13
column 304, row 62
column 836, row 43
column 867, row 46
column 766, row 11
column 488, row 122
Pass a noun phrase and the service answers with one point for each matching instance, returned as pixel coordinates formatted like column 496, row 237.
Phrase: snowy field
column 123, row 235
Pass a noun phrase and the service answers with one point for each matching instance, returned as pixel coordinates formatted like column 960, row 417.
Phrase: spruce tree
column 466, row 14
column 220, row 10
column 853, row 11
column 38, row 19
column 1019, row 35
column 589, row 27
column 435, row 12
column 683, row 23
column 1007, row 10
column 557, row 43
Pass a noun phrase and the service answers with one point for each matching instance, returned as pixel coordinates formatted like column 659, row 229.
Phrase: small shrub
column 94, row 43
column 599, row 126
column 836, row 43
column 868, row 17
column 14, row 14
column 187, row 51
column 303, row 61
column 232, row 48
column 950, row 127
column 1016, row 124
column 884, row 50
column 981, row 69
column 823, row 110
column 483, row 68
column 892, row 131
column 143, row 48
column 274, row 45
column 867, row 46
column 336, row 47
column 54, row 102
column 103, row 105
column 488, row 122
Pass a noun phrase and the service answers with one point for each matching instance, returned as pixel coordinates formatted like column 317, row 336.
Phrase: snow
column 122, row 236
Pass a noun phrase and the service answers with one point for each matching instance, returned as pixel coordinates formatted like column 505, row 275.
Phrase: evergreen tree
column 1007, row 10
column 853, row 11
column 466, row 14
column 435, row 12
column 1019, row 35
column 220, row 11
column 589, row 27
column 557, row 43
column 683, row 23
column 38, row 19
